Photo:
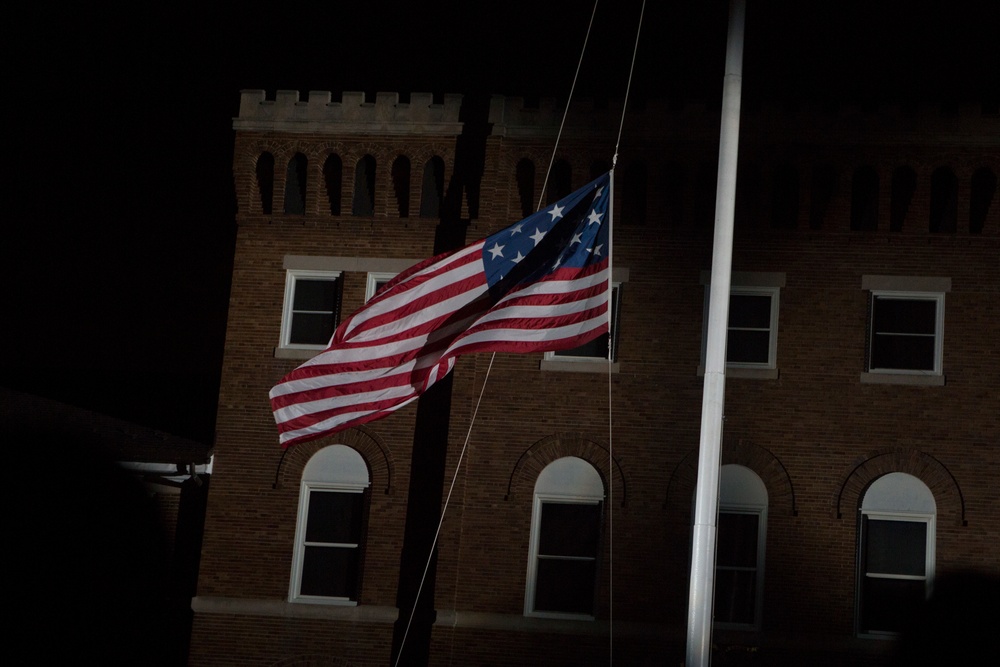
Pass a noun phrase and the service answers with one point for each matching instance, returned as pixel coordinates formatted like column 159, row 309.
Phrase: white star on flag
column 556, row 212
column 537, row 236
column 497, row 250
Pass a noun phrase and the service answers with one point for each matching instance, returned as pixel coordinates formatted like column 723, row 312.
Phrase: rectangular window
column 331, row 553
column 751, row 340
column 311, row 310
column 752, row 328
column 377, row 280
column 736, row 568
column 596, row 349
column 894, row 571
column 568, row 542
column 905, row 332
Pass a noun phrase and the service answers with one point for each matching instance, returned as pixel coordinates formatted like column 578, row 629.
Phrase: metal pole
column 701, row 597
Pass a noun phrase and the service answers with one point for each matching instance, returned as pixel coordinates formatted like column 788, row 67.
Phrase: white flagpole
column 702, row 591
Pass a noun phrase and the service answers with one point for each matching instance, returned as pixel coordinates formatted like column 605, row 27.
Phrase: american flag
column 539, row 285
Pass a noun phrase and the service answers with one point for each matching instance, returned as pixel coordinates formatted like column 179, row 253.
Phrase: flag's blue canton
column 583, row 215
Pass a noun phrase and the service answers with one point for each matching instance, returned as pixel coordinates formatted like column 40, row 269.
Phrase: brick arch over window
column 770, row 469
column 865, row 470
column 367, row 443
column 548, row 449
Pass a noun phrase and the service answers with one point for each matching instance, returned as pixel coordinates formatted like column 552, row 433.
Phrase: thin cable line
column 444, row 510
column 611, row 451
column 569, row 100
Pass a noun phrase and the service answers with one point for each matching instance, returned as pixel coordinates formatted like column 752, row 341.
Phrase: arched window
column 673, row 194
column 785, row 198
column 864, row 199
column 432, row 188
column 704, row 196
column 944, row 201
column 895, row 552
column 401, row 184
column 295, row 185
column 364, row 187
column 525, row 175
column 265, row 182
column 333, row 177
column 634, row 194
column 984, row 187
column 904, row 184
column 560, row 181
column 824, row 185
column 599, row 168
column 739, row 561
column 330, row 531
column 565, row 544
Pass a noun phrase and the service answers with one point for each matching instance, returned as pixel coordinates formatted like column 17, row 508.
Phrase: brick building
column 861, row 433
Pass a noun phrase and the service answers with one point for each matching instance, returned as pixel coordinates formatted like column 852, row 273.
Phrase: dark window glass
column 315, row 311
column 903, row 333
column 332, row 554
column 334, row 517
column 736, row 568
column 568, row 542
column 894, row 565
column 896, row 547
column 749, row 337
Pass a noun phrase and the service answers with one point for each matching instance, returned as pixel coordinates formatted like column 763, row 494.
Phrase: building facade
column 861, row 432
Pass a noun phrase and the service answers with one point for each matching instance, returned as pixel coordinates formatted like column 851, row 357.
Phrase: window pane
column 737, row 540
column 330, row 572
column 887, row 604
column 896, row 547
column 315, row 295
column 750, row 311
column 565, row 586
column 597, row 348
column 914, row 316
column 903, row 352
column 311, row 328
column 748, row 347
column 569, row 530
column 334, row 517
column 735, row 593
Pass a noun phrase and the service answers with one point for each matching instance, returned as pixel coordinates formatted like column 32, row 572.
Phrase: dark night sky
column 118, row 232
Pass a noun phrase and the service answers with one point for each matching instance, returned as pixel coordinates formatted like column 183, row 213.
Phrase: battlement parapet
column 512, row 118
column 353, row 114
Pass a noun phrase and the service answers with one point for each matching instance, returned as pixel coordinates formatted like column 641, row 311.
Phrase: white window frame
column 752, row 284
column 938, row 299
column 905, row 491
column 376, row 278
column 742, row 491
column 287, row 313
column 334, row 469
column 568, row 480
column 913, row 287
